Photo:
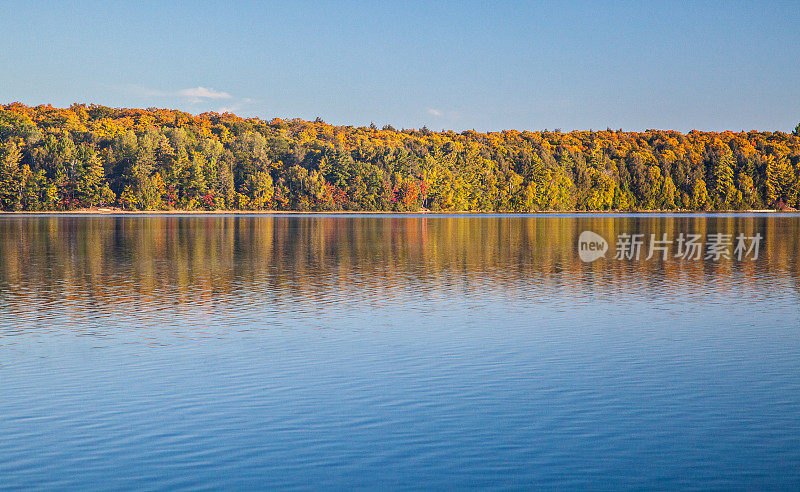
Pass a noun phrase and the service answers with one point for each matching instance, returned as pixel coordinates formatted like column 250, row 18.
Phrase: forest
column 91, row 156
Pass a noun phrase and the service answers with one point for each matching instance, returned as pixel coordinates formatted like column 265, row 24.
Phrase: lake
column 388, row 351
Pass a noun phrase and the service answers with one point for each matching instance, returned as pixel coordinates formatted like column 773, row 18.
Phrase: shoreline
column 116, row 212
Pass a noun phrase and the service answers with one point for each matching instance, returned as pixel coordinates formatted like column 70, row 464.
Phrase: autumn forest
column 90, row 156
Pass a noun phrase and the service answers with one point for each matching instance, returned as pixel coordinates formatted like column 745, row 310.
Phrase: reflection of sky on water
column 393, row 351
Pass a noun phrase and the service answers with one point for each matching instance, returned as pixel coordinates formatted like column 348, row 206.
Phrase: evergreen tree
column 90, row 185
column 10, row 178
column 723, row 192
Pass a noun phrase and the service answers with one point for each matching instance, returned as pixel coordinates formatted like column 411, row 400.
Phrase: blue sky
column 447, row 65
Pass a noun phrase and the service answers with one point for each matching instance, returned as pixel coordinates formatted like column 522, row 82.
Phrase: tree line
column 89, row 156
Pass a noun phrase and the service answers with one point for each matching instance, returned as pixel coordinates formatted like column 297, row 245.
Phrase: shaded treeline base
column 155, row 159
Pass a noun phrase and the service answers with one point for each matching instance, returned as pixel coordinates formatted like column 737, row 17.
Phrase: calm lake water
column 147, row 352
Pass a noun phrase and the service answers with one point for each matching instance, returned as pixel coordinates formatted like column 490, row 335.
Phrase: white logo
column 591, row 246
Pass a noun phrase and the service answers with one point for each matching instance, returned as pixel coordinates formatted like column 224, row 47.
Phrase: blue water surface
column 399, row 352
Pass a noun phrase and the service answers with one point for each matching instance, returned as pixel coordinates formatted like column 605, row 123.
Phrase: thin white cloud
column 434, row 112
column 193, row 95
column 203, row 93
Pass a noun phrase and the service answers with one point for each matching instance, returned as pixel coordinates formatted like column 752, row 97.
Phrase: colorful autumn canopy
column 153, row 159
